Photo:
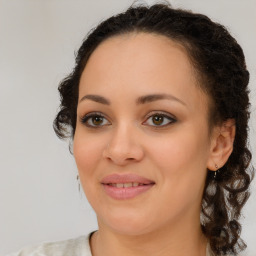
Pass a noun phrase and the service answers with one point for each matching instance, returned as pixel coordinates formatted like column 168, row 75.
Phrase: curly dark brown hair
column 222, row 74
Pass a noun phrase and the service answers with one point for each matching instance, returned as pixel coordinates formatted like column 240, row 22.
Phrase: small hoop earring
column 215, row 173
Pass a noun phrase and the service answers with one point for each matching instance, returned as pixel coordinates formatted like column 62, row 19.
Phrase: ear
column 221, row 144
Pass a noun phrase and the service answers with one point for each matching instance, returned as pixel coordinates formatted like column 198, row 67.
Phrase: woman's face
column 142, row 119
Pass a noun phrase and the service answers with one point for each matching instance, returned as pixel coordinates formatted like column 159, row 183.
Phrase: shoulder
column 76, row 247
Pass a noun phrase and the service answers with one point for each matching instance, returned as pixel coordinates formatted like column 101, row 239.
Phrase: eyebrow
column 155, row 97
column 96, row 98
column 141, row 100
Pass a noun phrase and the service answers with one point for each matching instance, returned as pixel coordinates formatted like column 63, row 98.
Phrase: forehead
column 140, row 63
column 147, row 51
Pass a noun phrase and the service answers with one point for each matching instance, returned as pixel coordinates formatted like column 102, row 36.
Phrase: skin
column 174, row 154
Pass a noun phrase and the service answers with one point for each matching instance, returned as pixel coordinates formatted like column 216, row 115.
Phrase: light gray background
column 39, row 198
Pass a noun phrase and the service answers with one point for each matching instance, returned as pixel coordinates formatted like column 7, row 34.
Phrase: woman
column 157, row 108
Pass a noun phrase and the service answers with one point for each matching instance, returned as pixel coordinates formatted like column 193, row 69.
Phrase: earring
column 79, row 184
column 215, row 173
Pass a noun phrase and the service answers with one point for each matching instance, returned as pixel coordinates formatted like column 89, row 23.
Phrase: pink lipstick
column 126, row 186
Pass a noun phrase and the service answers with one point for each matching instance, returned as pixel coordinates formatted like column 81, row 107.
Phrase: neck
column 179, row 240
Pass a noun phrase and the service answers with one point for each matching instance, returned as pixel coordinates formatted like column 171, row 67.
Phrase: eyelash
column 85, row 119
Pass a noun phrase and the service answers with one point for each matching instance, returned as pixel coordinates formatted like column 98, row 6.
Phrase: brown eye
column 160, row 120
column 97, row 120
column 157, row 119
column 94, row 120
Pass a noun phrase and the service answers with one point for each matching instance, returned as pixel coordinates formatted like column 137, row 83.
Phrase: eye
column 94, row 120
column 160, row 119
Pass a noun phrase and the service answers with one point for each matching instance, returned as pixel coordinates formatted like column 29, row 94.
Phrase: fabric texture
column 79, row 246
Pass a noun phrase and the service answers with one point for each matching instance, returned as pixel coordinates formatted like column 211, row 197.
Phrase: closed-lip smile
column 126, row 186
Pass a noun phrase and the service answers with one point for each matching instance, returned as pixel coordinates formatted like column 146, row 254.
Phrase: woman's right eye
column 94, row 120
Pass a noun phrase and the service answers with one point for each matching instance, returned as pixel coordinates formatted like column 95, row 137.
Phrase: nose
column 124, row 147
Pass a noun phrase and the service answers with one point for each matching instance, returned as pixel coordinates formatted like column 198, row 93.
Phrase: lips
column 126, row 186
column 126, row 178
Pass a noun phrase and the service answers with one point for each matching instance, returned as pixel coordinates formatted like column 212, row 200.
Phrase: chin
column 131, row 225
column 131, row 230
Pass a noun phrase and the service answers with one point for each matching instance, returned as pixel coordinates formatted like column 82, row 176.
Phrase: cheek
column 178, row 150
column 181, row 164
column 87, row 153
column 181, row 156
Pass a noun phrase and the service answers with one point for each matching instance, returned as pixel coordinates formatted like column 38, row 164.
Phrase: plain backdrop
column 39, row 197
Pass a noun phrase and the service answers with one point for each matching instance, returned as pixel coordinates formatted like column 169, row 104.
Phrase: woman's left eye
column 160, row 120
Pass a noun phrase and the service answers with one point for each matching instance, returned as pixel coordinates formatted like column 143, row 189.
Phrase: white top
column 79, row 246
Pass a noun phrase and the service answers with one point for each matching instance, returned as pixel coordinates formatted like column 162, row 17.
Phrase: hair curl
column 220, row 64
